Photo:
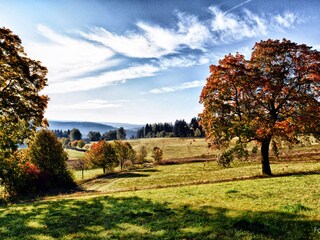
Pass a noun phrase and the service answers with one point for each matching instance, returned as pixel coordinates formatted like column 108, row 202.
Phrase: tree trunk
column 104, row 170
column 265, row 157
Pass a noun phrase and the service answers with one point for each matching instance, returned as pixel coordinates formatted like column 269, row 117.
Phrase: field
column 272, row 208
column 172, row 147
column 198, row 200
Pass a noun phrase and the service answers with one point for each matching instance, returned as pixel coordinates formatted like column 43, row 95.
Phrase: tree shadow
column 122, row 175
column 137, row 218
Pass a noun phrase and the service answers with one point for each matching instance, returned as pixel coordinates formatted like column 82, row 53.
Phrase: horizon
column 139, row 62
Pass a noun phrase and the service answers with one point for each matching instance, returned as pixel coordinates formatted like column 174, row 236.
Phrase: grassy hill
column 86, row 127
column 199, row 200
column 284, row 207
column 173, row 148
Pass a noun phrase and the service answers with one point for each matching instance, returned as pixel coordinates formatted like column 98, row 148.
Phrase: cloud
column 105, row 79
column 93, row 104
column 67, row 57
column 229, row 27
column 286, row 20
column 153, row 41
column 183, row 61
column 186, row 85
column 84, row 60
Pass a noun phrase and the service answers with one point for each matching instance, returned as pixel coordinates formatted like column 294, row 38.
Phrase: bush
column 74, row 144
column 65, row 142
column 18, row 174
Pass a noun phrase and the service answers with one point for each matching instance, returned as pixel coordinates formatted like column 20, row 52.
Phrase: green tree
column 275, row 94
column 81, row 143
column 94, row 136
column 102, row 154
column 75, row 134
column 21, row 105
column 47, row 153
column 121, row 134
column 142, row 154
column 197, row 133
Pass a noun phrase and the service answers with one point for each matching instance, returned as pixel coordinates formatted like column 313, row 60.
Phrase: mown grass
column 186, row 174
column 272, row 208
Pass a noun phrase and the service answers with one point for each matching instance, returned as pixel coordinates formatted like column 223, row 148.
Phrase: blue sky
column 145, row 61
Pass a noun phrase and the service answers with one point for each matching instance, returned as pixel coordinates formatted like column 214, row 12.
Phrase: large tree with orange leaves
column 274, row 94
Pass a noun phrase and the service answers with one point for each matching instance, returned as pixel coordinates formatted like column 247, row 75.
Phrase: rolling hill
column 86, row 127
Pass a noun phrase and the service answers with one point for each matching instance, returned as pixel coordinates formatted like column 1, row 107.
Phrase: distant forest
column 179, row 129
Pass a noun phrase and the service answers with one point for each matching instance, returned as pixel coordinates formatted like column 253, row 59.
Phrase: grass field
column 199, row 200
column 172, row 147
column 272, row 208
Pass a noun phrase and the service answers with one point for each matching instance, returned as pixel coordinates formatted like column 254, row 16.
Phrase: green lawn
column 272, row 208
column 184, row 174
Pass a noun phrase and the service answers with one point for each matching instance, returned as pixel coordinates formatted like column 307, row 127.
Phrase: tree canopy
column 21, row 80
column 273, row 95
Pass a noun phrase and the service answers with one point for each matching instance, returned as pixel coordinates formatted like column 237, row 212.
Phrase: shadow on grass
column 122, row 175
column 137, row 218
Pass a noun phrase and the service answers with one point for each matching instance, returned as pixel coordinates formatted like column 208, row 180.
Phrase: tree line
column 69, row 136
column 179, row 129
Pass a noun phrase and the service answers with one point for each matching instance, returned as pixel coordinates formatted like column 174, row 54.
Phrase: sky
column 145, row 61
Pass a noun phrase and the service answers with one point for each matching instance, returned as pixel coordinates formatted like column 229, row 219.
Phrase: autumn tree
column 275, row 94
column 157, row 154
column 21, row 105
column 102, row 154
column 124, row 152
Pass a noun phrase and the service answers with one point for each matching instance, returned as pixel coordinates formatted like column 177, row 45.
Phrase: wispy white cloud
column 286, row 20
column 183, row 86
column 153, row 41
column 80, row 63
column 93, row 104
column 183, row 61
column 67, row 57
column 228, row 26
column 231, row 27
column 105, row 79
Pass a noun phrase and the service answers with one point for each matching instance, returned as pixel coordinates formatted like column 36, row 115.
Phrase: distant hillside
column 128, row 126
column 84, row 127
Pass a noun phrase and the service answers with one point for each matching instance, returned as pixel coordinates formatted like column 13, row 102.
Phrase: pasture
column 271, row 208
column 198, row 200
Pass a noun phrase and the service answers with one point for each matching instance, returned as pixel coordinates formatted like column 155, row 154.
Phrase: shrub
column 18, row 174
column 65, row 142
column 74, row 143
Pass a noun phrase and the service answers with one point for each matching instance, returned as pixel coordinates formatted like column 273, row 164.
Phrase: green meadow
column 197, row 200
